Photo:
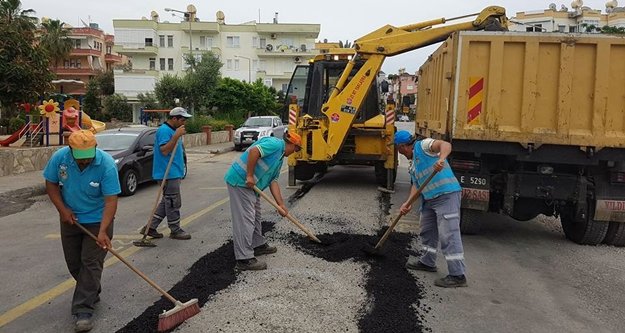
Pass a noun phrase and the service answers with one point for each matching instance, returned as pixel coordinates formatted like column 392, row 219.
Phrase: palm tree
column 11, row 13
column 55, row 41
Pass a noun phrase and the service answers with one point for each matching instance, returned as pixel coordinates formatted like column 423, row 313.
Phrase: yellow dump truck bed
column 538, row 88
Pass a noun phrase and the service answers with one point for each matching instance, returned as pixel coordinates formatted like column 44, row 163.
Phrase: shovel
column 375, row 250
column 288, row 216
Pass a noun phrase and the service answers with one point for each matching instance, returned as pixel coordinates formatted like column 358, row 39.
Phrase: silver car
column 255, row 128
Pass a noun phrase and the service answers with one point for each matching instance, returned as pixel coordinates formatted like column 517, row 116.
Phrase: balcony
column 112, row 58
column 85, row 52
column 199, row 50
column 75, row 71
column 285, row 51
column 137, row 48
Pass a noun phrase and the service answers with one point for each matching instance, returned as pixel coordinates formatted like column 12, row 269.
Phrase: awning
column 67, row 81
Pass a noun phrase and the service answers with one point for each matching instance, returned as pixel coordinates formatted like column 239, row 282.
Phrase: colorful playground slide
column 14, row 137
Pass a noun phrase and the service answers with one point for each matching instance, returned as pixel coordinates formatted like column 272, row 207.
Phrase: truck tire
column 584, row 232
column 238, row 147
column 382, row 175
column 616, row 234
column 470, row 221
column 304, row 171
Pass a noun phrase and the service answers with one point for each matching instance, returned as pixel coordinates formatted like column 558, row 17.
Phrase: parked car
column 255, row 128
column 404, row 117
column 132, row 148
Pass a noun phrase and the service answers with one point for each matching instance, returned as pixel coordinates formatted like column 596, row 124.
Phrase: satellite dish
column 269, row 47
column 552, row 6
column 298, row 59
column 191, row 9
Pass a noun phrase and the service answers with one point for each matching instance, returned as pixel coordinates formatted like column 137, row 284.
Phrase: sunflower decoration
column 49, row 108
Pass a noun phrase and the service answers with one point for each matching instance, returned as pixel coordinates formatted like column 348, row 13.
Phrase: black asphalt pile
column 210, row 274
column 392, row 289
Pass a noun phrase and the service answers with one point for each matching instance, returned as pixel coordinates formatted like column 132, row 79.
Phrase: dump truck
column 336, row 102
column 537, row 124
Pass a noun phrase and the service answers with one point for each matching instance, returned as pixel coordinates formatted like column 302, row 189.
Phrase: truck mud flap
column 610, row 210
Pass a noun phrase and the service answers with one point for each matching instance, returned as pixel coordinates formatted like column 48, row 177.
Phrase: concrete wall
column 14, row 161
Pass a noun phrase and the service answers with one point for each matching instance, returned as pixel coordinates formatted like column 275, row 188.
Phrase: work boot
column 84, row 322
column 417, row 265
column 264, row 249
column 151, row 232
column 250, row 265
column 451, row 281
column 180, row 234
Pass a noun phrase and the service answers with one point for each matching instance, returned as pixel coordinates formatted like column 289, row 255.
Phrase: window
column 255, row 42
column 170, row 64
column 161, row 40
column 572, row 28
column 152, row 64
column 148, row 42
column 237, row 64
column 109, row 49
column 77, row 44
column 66, row 64
column 78, row 63
column 162, row 63
column 229, row 64
column 206, row 43
column 170, row 41
column 285, row 86
column 534, row 28
column 561, row 28
column 232, row 41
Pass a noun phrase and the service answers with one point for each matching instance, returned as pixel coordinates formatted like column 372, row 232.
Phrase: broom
column 168, row 319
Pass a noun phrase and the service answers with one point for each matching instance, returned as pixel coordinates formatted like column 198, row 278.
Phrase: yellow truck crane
column 336, row 102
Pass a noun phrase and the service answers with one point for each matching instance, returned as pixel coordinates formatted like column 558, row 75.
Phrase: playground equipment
column 53, row 126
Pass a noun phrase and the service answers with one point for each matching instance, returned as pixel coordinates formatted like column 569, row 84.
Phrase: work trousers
column 440, row 221
column 85, row 261
column 169, row 206
column 247, row 230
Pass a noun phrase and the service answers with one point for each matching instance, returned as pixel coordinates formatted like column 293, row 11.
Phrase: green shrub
column 15, row 124
column 195, row 124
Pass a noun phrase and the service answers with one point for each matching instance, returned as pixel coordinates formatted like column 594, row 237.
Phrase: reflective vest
column 444, row 182
column 267, row 167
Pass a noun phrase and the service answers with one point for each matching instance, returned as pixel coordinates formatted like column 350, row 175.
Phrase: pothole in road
column 10, row 206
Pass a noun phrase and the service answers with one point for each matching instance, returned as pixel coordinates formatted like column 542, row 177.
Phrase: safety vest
column 267, row 167
column 444, row 182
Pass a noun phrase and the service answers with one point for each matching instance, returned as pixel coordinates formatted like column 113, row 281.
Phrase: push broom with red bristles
column 168, row 319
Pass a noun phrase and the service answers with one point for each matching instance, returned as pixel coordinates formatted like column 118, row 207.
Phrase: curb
column 25, row 192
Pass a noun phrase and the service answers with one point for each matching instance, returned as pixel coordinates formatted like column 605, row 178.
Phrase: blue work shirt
column 163, row 135
column 267, row 168
column 83, row 191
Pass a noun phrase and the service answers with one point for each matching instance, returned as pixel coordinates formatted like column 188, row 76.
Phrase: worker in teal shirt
column 258, row 166
column 168, row 136
column 83, row 184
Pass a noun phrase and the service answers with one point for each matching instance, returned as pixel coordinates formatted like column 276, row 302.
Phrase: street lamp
column 249, row 67
column 188, row 16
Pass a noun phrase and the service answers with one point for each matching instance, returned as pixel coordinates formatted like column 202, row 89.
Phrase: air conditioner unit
column 298, row 60
column 269, row 47
column 302, row 47
column 273, row 36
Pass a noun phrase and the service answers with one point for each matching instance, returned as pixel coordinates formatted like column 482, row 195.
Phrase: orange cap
column 293, row 138
column 83, row 144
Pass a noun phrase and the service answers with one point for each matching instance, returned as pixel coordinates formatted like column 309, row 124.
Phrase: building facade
column 248, row 51
column 91, row 54
column 579, row 19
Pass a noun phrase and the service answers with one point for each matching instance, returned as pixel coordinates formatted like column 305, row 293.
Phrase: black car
column 132, row 148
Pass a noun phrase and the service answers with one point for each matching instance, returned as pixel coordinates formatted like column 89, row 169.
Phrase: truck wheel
column 238, row 147
column 616, row 234
column 470, row 221
column 586, row 231
column 304, row 171
column 384, row 177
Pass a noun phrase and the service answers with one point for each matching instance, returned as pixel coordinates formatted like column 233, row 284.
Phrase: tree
column 91, row 101
column 55, row 41
column 106, row 82
column 169, row 88
column 116, row 106
column 11, row 13
column 201, row 79
column 24, row 67
column 148, row 101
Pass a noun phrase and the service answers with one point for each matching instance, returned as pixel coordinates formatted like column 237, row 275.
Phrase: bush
column 194, row 125
column 116, row 106
column 15, row 124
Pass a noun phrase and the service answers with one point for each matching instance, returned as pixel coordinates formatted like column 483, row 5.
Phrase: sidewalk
column 29, row 184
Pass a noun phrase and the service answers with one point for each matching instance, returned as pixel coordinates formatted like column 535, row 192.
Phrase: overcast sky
column 340, row 20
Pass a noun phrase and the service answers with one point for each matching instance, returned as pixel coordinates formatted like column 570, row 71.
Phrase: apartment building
column 578, row 19
column 248, row 51
column 91, row 54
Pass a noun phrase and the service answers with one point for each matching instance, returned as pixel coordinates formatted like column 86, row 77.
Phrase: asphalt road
column 523, row 276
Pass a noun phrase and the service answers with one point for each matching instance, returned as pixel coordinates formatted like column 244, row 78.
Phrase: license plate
column 473, row 180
